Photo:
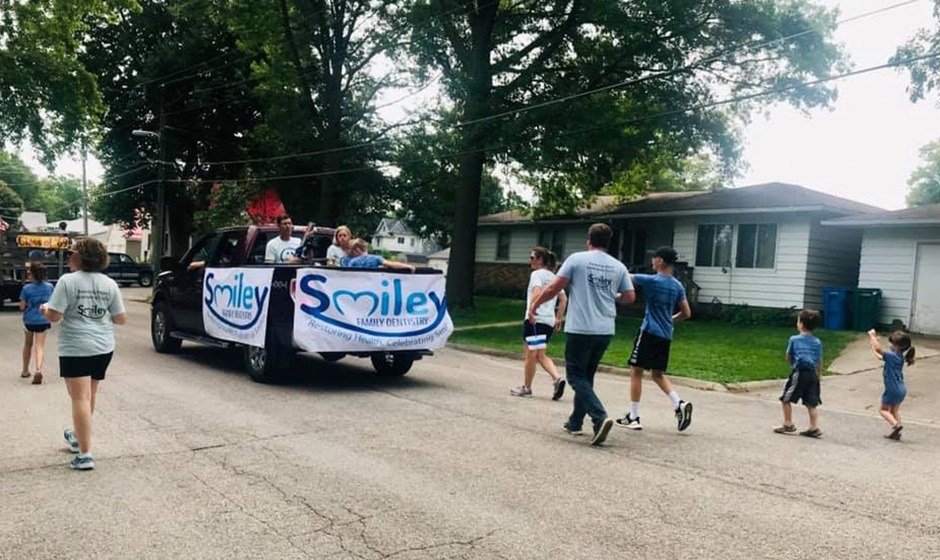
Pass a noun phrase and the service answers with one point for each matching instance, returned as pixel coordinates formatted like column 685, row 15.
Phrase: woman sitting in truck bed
column 359, row 257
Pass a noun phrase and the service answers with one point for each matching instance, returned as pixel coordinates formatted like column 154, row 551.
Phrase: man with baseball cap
column 663, row 296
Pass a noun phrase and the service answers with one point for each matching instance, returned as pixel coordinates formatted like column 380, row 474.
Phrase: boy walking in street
column 804, row 353
column 662, row 294
column 596, row 282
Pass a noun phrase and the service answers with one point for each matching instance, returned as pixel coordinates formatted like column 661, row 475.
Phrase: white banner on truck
column 235, row 303
column 350, row 311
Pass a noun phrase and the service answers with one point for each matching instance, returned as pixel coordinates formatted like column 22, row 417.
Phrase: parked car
column 124, row 270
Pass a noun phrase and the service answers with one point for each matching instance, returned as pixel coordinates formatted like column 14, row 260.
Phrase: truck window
column 225, row 251
column 202, row 249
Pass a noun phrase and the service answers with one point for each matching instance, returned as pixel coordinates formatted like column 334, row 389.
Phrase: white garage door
column 925, row 317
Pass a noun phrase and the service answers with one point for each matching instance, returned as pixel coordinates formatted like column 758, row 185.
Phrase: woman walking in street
column 88, row 304
column 33, row 295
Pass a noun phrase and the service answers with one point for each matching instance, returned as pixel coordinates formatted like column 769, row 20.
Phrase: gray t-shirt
column 595, row 279
column 87, row 301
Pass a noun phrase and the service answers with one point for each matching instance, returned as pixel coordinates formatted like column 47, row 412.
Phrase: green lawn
column 706, row 350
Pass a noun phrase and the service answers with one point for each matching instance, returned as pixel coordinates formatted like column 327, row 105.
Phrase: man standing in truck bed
column 282, row 248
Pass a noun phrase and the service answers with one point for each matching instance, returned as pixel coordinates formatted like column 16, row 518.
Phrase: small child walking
column 35, row 325
column 804, row 354
column 901, row 351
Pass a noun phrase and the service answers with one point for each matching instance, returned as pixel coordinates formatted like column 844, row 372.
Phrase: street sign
column 36, row 241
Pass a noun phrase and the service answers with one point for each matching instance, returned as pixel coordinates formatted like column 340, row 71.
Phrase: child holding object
column 804, row 354
column 901, row 351
column 548, row 320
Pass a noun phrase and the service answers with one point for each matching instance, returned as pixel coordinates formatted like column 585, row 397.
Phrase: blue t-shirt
column 661, row 294
column 362, row 261
column 35, row 294
column 894, row 373
column 804, row 350
column 594, row 281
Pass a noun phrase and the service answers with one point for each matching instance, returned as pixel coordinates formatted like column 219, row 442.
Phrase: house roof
column 78, row 226
column 393, row 226
column 769, row 197
column 33, row 221
column 918, row 215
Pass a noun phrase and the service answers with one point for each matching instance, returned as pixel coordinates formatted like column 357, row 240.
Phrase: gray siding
column 521, row 242
column 833, row 260
column 889, row 257
column 781, row 286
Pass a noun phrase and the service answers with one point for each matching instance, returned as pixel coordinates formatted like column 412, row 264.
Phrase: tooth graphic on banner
column 346, row 311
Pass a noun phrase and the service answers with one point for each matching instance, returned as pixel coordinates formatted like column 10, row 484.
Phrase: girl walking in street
column 34, row 294
column 88, row 304
column 535, row 336
column 900, row 351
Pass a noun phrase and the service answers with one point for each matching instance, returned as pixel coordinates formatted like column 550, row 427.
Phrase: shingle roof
column 765, row 197
column 395, row 227
column 918, row 215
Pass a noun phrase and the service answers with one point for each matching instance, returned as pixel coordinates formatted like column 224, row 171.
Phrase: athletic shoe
column 812, row 432
column 521, row 391
column 82, row 462
column 559, row 389
column 895, row 432
column 785, row 429
column 629, row 423
column 573, row 431
column 684, row 415
column 600, row 432
column 70, row 439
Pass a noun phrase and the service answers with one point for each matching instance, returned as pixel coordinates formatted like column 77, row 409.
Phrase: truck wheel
column 160, row 327
column 391, row 364
column 332, row 356
column 269, row 364
column 145, row 280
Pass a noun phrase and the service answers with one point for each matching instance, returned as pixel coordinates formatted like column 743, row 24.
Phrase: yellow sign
column 43, row 241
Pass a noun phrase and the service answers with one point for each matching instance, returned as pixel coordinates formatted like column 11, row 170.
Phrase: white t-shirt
column 546, row 312
column 279, row 251
column 335, row 253
column 87, row 301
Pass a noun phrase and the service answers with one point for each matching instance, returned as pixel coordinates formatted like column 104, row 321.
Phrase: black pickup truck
column 178, row 299
column 124, row 270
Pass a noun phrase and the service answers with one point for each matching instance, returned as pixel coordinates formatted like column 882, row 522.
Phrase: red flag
column 266, row 207
column 3, row 225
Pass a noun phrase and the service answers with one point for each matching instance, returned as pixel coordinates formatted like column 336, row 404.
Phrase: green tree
column 61, row 198
column 46, row 94
column 924, row 183
column 11, row 205
column 19, row 177
column 502, row 56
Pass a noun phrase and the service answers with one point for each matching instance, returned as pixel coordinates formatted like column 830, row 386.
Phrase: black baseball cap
column 667, row 254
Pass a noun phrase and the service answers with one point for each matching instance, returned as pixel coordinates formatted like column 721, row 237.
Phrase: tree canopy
column 924, row 183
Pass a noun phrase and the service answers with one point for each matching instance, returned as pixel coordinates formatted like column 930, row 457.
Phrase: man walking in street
column 596, row 282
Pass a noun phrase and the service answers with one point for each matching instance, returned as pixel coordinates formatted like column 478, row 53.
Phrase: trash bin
column 835, row 308
column 865, row 305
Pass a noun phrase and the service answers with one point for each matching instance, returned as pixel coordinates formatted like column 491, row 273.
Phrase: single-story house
column 762, row 245
column 900, row 254
column 395, row 236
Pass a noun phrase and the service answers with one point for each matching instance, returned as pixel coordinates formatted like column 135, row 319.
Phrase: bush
column 747, row 315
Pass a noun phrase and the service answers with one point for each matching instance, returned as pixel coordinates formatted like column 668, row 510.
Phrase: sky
column 864, row 147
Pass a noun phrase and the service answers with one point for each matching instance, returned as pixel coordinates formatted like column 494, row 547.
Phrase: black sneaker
column 629, row 423
column 684, row 415
column 600, row 432
column 573, row 431
column 812, row 432
column 559, row 389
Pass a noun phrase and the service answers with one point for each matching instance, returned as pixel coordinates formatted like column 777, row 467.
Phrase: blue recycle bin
column 835, row 308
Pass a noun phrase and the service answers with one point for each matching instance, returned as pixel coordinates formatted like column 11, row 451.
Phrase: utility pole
column 84, row 190
column 160, row 229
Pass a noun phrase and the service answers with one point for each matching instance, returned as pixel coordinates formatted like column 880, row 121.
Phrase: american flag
column 3, row 225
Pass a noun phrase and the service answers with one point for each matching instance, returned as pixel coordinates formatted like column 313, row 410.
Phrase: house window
column 412, row 241
column 633, row 248
column 401, row 240
column 757, row 246
column 554, row 241
column 503, row 238
column 713, row 247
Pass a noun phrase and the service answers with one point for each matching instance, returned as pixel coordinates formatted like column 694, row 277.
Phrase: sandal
column 37, row 379
column 25, row 374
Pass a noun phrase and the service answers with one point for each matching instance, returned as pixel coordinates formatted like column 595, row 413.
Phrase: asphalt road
column 194, row 460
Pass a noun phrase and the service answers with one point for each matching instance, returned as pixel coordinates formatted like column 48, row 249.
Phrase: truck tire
column 391, row 364
column 145, row 279
column 332, row 356
column 270, row 364
column 161, row 325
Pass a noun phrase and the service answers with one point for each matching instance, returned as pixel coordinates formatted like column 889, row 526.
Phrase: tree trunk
column 460, row 269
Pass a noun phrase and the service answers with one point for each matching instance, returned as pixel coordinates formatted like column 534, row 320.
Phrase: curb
column 689, row 382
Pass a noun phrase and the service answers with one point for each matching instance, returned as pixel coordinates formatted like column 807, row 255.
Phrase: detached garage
column 901, row 256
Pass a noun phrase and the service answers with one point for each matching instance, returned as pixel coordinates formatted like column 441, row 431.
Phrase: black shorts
column 528, row 329
column 650, row 352
column 803, row 384
column 85, row 366
column 38, row 328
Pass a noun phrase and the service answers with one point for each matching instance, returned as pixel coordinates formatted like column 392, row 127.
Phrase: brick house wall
column 501, row 279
